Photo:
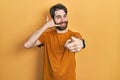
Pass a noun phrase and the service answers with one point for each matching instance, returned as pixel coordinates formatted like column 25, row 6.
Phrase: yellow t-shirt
column 59, row 63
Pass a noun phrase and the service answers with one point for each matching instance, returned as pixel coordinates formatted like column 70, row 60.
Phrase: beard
column 61, row 27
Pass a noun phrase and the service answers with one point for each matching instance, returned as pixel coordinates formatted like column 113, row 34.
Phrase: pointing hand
column 74, row 44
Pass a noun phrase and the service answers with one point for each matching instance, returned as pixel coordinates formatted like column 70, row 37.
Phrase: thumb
column 68, row 41
column 73, row 38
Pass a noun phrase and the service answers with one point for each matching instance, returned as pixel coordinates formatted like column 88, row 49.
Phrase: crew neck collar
column 61, row 32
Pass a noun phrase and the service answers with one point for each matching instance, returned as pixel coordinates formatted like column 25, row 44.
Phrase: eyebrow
column 60, row 15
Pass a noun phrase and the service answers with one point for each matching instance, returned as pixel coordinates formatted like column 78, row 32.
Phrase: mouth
column 63, row 24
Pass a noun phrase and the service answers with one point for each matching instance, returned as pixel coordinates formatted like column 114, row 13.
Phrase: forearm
column 34, row 37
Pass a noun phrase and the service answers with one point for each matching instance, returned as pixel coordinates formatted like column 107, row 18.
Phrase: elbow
column 26, row 45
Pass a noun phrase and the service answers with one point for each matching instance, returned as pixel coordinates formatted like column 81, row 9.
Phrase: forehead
column 60, row 12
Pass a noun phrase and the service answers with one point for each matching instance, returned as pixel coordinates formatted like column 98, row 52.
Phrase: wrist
column 83, row 42
column 46, row 26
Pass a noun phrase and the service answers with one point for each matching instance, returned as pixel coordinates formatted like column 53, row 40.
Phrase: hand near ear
column 50, row 23
column 74, row 44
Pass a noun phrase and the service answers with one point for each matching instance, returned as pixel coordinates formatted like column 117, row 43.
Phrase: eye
column 58, row 17
column 65, row 16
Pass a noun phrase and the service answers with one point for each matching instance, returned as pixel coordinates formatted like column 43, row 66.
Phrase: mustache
column 62, row 22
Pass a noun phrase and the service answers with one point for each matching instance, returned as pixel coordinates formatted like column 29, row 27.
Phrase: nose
column 63, row 19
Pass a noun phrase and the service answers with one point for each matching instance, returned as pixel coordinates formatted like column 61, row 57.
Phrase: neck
column 63, row 31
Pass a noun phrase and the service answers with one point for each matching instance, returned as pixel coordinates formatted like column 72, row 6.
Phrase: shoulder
column 76, row 34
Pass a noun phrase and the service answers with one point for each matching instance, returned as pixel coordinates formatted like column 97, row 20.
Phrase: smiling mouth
column 63, row 24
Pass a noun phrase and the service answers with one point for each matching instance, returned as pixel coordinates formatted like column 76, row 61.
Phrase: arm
column 33, row 40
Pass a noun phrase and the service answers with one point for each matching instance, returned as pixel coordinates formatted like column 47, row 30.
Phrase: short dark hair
column 58, row 6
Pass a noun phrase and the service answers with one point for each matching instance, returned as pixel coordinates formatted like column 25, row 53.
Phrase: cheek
column 58, row 20
column 66, row 19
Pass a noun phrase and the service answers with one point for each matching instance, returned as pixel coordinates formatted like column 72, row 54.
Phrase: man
column 60, row 45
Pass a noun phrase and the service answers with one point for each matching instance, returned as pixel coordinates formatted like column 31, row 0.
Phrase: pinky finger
column 47, row 18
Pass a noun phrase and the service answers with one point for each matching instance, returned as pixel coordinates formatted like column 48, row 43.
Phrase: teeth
column 63, row 24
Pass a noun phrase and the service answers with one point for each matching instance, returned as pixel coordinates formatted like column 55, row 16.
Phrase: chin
column 61, row 28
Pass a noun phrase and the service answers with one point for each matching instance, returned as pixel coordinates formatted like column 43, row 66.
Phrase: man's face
column 60, row 18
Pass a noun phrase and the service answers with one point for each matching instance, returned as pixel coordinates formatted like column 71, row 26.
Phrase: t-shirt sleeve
column 77, row 35
column 43, row 37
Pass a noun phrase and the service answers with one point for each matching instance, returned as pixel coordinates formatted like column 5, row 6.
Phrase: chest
column 59, row 41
